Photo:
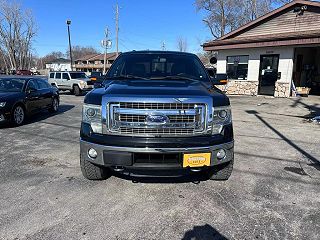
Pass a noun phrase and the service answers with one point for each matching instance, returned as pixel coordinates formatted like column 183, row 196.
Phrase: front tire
column 221, row 172
column 54, row 105
column 93, row 172
column 76, row 90
column 18, row 115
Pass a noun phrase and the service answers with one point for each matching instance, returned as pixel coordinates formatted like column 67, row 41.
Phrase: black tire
column 18, row 115
column 221, row 172
column 54, row 105
column 93, row 172
column 76, row 90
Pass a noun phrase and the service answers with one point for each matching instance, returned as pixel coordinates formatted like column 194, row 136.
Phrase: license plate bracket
column 196, row 159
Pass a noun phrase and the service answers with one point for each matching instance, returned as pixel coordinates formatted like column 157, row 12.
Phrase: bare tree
column 221, row 15
column 224, row 16
column 17, row 30
column 182, row 44
column 205, row 58
column 49, row 58
column 80, row 51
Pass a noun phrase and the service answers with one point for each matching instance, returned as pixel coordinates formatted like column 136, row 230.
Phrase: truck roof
column 157, row 52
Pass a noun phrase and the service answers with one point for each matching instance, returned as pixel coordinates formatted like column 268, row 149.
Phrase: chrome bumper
column 85, row 146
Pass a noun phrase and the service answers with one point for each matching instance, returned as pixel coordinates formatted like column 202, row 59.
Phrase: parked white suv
column 75, row 82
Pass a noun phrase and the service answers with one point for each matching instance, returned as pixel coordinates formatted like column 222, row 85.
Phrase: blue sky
column 144, row 24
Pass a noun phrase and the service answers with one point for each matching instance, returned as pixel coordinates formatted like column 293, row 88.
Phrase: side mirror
column 213, row 60
column 219, row 79
column 211, row 71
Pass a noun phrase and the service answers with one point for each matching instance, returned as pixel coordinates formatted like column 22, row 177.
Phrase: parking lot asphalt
column 274, row 192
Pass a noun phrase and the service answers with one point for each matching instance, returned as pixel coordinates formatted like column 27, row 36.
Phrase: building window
column 237, row 67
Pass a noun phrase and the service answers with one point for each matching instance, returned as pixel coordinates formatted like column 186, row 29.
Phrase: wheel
column 93, row 172
column 76, row 90
column 221, row 172
column 54, row 105
column 18, row 115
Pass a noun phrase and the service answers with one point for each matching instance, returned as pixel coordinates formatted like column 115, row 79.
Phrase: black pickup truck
column 157, row 113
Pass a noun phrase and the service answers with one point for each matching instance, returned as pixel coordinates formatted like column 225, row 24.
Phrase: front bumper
column 5, row 116
column 119, row 156
column 87, row 88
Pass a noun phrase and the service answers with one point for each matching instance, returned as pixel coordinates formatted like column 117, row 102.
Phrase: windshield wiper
column 128, row 77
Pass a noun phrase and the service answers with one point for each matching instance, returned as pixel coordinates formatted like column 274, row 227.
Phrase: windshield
column 76, row 75
column 158, row 66
column 11, row 85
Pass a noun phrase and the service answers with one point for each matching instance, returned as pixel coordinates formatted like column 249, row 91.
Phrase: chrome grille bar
column 131, row 119
column 140, row 105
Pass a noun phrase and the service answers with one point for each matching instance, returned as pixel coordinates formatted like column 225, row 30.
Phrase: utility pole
column 70, row 50
column 105, row 44
column 117, row 30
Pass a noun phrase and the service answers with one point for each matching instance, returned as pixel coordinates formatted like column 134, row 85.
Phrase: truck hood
column 157, row 88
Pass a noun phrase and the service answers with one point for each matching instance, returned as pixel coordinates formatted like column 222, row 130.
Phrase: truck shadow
column 203, row 233
column 195, row 178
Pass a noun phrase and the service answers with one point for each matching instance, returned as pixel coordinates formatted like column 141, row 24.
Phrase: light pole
column 70, row 51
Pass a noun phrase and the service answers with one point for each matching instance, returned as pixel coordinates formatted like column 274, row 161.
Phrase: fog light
column 223, row 114
column 92, row 153
column 221, row 154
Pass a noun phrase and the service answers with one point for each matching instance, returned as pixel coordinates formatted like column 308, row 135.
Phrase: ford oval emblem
column 157, row 119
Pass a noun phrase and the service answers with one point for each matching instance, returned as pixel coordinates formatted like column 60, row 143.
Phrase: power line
column 136, row 43
column 123, row 45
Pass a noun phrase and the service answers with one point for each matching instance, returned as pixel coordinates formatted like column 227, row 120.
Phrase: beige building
column 94, row 62
column 274, row 54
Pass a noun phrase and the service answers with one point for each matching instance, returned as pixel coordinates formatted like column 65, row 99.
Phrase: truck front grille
column 140, row 105
column 172, row 118
column 156, row 131
column 133, row 119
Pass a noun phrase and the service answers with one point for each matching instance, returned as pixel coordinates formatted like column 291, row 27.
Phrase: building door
column 268, row 74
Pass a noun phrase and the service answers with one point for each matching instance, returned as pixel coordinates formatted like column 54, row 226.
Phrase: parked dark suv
column 158, row 113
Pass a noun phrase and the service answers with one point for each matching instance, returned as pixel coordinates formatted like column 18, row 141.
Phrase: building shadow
column 313, row 159
column 205, row 232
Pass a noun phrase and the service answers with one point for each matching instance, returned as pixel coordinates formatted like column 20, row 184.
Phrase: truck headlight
column 83, row 84
column 2, row 104
column 221, row 117
column 91, row 114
